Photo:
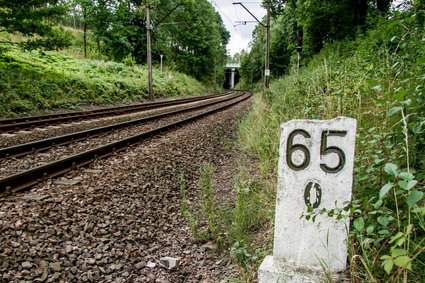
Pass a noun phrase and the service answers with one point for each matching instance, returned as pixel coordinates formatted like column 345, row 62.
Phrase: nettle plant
column 403, row 245
column 388, row 230
column 387, row 236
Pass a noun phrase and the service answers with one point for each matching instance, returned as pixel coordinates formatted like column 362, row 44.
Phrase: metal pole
column 149, row 50
column 215, row 74
column 267, row 69
column 298, row 65
column 161, row 62
column 267, row 26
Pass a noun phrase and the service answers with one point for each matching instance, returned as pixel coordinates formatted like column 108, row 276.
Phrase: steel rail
column 25, row 179
column 23, row 149
column 11, row 125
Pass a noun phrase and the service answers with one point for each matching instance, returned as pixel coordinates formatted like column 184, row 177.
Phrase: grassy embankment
column 377, row 79
column 37, row 81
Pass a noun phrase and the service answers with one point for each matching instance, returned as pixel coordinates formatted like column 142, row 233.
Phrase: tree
column 83, row 9
column 192, row 37
column 197, row 45
column 252, row 64
column 35, row 17
column 320, row 21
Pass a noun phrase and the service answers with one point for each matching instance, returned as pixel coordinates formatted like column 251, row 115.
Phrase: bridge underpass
column 232, row 76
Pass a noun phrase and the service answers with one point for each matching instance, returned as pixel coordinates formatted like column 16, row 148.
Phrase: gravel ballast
column 39, row 133
column 114, row 220
column 11, row 166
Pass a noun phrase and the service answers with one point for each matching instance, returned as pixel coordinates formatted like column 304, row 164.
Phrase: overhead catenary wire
column 267, row 27
column 245, row 31
column 222, row 13
column 241, row 34
column 242, row 30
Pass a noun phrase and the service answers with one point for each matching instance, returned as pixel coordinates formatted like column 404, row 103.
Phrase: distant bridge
column 232, row 75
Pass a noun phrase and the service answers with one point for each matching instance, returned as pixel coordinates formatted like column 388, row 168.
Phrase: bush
column 34, row 81
column 377, row 79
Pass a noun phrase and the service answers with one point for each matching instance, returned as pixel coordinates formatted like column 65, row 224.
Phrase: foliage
column 202, row 218
column 321, row 23
column 230, row 226
column 389, row 230
column 207, row 194
column 41, row 80
column 192, row 38
column 35, row 18
column 189, row 34
column 378, row 79
column 198, row 47
column 252, row 63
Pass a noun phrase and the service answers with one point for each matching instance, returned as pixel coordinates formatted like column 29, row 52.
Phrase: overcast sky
column 231, row 14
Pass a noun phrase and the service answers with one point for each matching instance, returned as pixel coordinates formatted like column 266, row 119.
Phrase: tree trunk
column 85, row 31
column 360, row 12
column 383, row 6
column 85, row 39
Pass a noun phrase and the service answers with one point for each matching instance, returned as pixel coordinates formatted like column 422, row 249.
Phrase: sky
column 241, row 35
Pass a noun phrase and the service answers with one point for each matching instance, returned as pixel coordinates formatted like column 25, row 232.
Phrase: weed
column 203, row 217
column 34, row 81
column 207, row 200
column 188, row 212
column 184, row 204
column 377, row 79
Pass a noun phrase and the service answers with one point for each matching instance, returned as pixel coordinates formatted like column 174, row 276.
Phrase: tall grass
column 377, row 79
column 41, row 80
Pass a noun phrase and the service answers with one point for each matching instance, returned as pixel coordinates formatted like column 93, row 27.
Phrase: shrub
column 39, row 79
column 377, row 79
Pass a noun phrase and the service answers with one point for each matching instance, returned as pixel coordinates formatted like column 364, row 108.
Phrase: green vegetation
column 230, row 226
column 35, row 18
column 188, row 34
column 319, row 23
column 359, row 59
column 202, row 217
column 377, row 78
column 40, row 80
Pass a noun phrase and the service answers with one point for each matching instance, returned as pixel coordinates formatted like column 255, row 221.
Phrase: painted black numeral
column 324, row 150
column 307, row 192
column 291, row 148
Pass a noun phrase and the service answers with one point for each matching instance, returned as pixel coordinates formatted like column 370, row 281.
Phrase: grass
column 36, row 81
column 377, row 79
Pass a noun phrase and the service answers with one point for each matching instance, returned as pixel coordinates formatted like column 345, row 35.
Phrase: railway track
column 27, row 178
column 26, row 148
column 30, row 122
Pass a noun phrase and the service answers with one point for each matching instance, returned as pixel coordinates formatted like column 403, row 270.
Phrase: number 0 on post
column 315, row 173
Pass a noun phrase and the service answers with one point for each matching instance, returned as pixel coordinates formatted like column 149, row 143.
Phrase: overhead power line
column 267, row 26
column 239, row 23
column 222, row 13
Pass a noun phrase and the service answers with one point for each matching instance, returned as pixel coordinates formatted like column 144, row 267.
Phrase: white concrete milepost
column 315, row 171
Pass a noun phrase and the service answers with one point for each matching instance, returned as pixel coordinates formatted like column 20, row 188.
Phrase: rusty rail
column 23, row 149
column 23, row 123
column 33, row 176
